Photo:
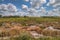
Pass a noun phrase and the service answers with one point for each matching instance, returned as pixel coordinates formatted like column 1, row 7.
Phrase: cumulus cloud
column 11, row 7
column 8, row 9
column 50, row 2
column 37, row 13
column 26, row 0
column 3, row 7
column 3, row 0
column 54, row 3
column 43, row 1
column 36, row 9
column 37, row 3
column 11, row 10
column 24, row 7
column 54, row 12
column 42, row 11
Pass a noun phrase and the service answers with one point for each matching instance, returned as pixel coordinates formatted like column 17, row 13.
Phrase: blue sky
column 18, row 3
column 37, row 8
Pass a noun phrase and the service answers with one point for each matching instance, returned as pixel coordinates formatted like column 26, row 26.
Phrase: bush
column 49, row 38
column 23, row 36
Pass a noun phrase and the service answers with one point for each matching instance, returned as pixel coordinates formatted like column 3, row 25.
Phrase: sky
column 35, row 8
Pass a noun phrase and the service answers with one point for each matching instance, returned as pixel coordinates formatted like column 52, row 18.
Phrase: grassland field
column 37, row 20
column 34, row 19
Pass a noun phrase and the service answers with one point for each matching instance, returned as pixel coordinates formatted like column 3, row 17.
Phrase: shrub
column 23, row 36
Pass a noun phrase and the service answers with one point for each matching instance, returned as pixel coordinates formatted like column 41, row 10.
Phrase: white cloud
column 3, row 7
column 35, row 10
column 3, row 0
column 11, row 10
column 43, row 1
column 50, row 2
column 54, row 12
column 24, row 7
column 8, row 9
column 11, row 7
column 26, row 0
column 37, row 13
column 37, row 3
column 54, row 3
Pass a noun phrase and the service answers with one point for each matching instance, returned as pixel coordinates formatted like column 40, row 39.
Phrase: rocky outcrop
column 50, row 31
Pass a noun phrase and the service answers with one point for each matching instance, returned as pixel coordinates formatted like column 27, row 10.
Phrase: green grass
column 26, row 37
column 35, row 19
column 27, row 20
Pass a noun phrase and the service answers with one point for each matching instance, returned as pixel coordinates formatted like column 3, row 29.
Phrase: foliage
column 29, row 19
